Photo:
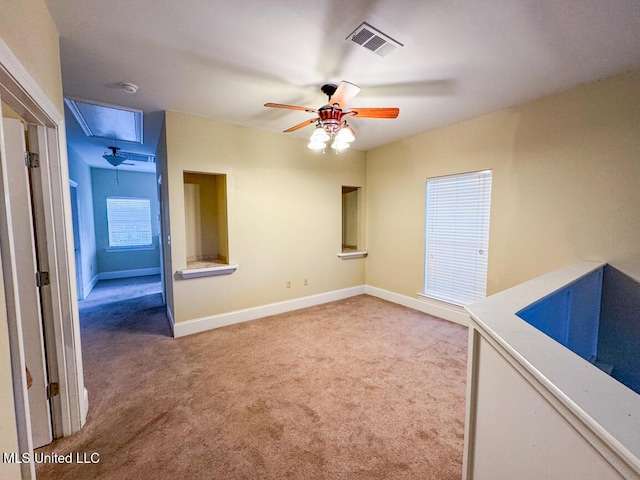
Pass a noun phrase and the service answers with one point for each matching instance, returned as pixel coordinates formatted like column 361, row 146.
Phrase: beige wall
column 38, row 52
column 28, row 30
column 284, row 206
column 566, row 186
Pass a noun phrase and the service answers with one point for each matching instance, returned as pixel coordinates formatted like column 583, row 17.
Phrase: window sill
column 130, row 249
column 449, row 303
column 350, row 255
column 206, row 272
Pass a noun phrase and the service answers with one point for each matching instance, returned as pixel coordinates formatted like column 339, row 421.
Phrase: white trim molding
column 89, row 286
column 442, row 310
column 30, row 92
column 24, row 95
column 172, row 322
column 197, row 325
column 137, row 272
column 85, row 406
column 446, row 311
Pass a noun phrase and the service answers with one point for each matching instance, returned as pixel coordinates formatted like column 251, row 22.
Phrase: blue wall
column 619, row 339
column 571, row 316
column 598, row 318
column 80, row 173
column 129, row 184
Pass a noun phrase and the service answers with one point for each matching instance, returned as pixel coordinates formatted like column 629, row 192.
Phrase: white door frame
column 24, row 230
column 77, row 243
column 20, row 91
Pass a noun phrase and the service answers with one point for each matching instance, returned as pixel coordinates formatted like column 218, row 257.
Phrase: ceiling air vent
column 373, row 39
column 139, row 157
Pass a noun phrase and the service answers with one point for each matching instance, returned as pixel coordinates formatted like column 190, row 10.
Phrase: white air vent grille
column 373, row 39
column 138, row 157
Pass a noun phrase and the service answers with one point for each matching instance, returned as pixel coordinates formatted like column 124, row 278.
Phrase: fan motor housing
column 330, row 118
column 329, row 89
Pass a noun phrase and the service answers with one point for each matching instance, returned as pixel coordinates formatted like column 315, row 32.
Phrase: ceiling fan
column 331, row 119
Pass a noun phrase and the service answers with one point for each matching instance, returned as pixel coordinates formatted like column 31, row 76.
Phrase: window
column 129, row 221
column 457, row 237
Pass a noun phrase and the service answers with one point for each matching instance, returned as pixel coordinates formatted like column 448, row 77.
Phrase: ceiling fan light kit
column 331, row 120
column 114, row 158
column 345, row 134
column 338, row 145
column 316, row 145
column 319, row 135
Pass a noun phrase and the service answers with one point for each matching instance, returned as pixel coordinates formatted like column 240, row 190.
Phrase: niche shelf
column 210, row 271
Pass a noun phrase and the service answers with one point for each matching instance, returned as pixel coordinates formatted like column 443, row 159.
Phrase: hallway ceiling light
column 114, row 158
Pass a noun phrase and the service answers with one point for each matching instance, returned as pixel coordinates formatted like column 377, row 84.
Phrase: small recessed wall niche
column 205, row 208
column 352, row 224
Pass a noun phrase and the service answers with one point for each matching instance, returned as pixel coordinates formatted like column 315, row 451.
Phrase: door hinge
column 42, row 279
column 31, row 160
column 53, row 389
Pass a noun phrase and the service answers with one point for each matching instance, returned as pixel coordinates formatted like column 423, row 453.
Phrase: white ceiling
column 225, row 59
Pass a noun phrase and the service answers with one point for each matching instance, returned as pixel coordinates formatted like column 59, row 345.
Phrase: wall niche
column 352, row 223
column 205, row 205
column 350, row 219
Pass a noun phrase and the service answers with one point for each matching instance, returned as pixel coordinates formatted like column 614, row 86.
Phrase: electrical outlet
column 288, row 283
column 306, row 282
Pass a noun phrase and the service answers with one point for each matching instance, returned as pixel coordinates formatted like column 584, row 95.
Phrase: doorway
column 67, row 410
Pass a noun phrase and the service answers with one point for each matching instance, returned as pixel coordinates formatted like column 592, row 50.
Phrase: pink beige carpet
column 355, row 389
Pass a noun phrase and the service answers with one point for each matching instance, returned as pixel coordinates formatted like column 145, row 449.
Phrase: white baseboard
column 138, row 272
column 445, row 311
column 181, row 329
column 442, row 310
column 84, row 409
column 88, row 287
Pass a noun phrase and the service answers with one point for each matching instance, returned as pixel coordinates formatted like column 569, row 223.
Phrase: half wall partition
column 552, row 388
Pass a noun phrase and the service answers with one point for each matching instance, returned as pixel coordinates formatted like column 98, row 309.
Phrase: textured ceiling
column 224, row 60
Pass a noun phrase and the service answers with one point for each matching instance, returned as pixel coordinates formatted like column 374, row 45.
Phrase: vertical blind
column 457, row 237
column 129, row 221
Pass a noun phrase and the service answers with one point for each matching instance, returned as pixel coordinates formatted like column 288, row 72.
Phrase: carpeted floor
column 355, row 389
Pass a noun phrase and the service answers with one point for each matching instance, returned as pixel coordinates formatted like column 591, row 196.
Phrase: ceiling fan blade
column 300, row 125
column 344, row 93
column 291, row 107
column 374, row 112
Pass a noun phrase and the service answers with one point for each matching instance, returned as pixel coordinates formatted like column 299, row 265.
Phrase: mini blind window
column 457, row 237
column 129, row 221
